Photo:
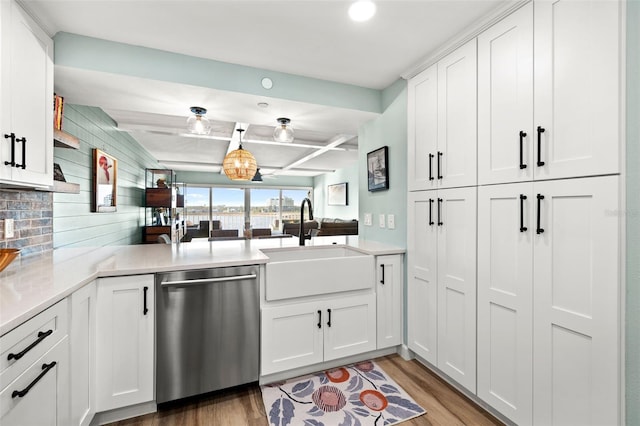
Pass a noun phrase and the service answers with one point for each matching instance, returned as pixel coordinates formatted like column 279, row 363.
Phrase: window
column 233, row 207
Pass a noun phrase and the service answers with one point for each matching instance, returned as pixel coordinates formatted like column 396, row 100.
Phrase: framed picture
column 377, row 169
column 105, row 174
column 337, row 195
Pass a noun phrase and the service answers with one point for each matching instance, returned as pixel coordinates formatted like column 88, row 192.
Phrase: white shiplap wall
column 74, row 225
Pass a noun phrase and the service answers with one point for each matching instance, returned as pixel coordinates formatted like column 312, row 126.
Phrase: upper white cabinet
column 505, row 99
column 124, row 341
column 26, row 101
column 549, row 84
column 442, row 123
column 442, row 281
column 389, row 285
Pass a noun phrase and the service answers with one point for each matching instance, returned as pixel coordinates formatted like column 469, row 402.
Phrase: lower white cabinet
column 124, row 341
column 442, row 281
column 302, row 334
column 548, row 301
column 40, row 395
column 389, row 285
column 82, row 343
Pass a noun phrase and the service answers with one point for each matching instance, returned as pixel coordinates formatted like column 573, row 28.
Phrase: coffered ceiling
column 309, row 38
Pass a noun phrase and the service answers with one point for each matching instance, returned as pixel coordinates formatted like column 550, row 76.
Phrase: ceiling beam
column 333, row 142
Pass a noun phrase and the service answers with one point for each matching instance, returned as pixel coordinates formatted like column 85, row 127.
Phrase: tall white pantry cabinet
column 546, row 233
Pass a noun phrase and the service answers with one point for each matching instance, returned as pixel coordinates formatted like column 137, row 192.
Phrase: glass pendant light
column 240, row 163
column 197, row 123
column 283, row 132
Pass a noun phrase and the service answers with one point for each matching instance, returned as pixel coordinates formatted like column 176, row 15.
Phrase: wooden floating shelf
column 67, row 187
column 65, row 140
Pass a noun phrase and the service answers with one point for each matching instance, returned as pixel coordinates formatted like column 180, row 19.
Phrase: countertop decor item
column 7, row 256
column 361, row 393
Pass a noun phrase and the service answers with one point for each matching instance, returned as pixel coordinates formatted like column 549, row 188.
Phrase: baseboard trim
column 124, row 413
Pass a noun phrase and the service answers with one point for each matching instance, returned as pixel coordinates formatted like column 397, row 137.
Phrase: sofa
column 202, row 229
column 323, row 227
column 330, row 226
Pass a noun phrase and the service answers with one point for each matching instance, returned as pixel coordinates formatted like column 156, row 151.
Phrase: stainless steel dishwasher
column 207, row 330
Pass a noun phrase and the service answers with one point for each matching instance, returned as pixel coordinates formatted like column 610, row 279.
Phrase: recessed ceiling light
column 263, row 104
column 362, row 10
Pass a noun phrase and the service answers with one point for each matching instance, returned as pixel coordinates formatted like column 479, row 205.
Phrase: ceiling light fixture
column 284, row 132
column 197, row 123
column 257, row 177
column 239, row 164
column 362, row 10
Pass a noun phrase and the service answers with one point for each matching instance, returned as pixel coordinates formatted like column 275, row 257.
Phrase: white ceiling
column 311, row 38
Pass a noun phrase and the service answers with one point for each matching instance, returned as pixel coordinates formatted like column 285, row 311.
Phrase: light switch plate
column 391, row 221
column 8, row 228
column 381, row 220
column 367, row 219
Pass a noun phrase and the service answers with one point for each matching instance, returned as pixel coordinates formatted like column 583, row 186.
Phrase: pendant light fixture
column 257, row 177
column 283, row 132
column 239, row 164
column 197, row 123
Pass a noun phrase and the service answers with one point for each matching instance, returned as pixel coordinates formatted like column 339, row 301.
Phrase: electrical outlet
column 367, row 219
column 8, row 228
column 381, row 220
column 391, row 221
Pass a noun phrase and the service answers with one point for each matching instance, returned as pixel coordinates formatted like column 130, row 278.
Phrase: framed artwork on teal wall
column 378, row 169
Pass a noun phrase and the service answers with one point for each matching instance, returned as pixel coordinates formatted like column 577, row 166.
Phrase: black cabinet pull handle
column 540, row 132
column 41, row 336
column 539, row 230
column 430, row 219
column 522, row 227
column 11, row 136
column 440, row 223
column 522, row 136
column 319, row 318
column 24, row 153
column 329, row 322
column 439, row 160
column 23, row 392
column 145, row 310
column 382, row 280
column 430, row 173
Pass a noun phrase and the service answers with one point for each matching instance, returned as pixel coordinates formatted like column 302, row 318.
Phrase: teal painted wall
column 320, row 206
column 89, row 53
column 74, row 225
column 633, row 216
column 389, row 129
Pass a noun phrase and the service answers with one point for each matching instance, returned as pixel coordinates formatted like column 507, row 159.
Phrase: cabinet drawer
column 39, row 396
column 31, row 340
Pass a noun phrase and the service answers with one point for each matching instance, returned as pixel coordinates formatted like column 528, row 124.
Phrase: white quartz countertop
column 32, row 284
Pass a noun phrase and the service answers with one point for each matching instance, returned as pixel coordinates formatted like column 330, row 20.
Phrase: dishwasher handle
column 209, row 280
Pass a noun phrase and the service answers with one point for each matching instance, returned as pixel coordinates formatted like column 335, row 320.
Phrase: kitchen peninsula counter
column 32, row 284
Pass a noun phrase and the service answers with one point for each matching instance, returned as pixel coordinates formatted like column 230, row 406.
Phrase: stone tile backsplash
column 32, row 212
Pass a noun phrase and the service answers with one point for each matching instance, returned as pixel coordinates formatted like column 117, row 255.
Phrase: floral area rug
column 356, row 395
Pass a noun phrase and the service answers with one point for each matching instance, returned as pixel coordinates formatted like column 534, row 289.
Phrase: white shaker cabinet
column 505, row 100
column 301, row 334
column 505, row 299
column 389, row 285
column 577, row 81
column 576, row 347
column 442, row 122
column 548, row 301
column 442, row 281
column 82, row 342
column 124, row 341
column 26, row 103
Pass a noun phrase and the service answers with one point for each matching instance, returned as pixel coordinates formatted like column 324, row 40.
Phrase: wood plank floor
column 243, row 405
